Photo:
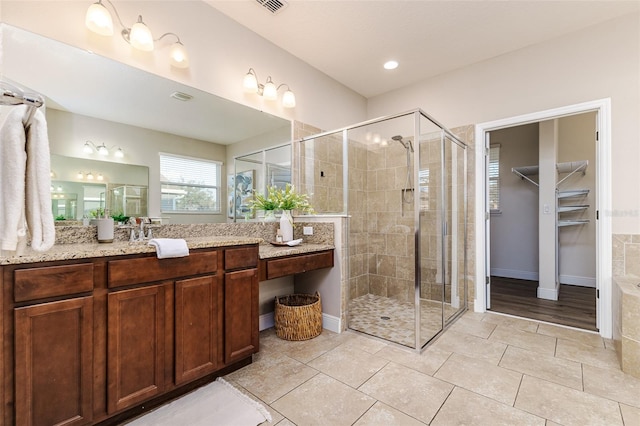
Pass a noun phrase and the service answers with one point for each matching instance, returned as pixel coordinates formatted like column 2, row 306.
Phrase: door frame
column 603, row 203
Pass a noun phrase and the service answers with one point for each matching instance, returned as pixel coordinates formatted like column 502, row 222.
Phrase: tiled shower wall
column 626, row 255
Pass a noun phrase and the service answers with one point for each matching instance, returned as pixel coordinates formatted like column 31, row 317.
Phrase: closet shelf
column 571, row 167
column 572, row 193
column 572, row 222
column 565, row 209
column 525, row 171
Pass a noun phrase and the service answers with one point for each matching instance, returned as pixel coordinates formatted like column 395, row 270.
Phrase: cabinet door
column 198, row 330
column 241, row 314
column 135, row 345
column 53, row 363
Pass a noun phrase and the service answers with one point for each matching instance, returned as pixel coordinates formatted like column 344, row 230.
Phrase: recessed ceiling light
column 391, row 65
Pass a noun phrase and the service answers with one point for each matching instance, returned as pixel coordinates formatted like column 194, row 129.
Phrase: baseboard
column 266, row 321
column 548, row 293
column 512, row 273
column 329, row 322
column 580, row 281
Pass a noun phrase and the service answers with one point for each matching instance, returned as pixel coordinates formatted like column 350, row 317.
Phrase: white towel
column 25, row 182
column 169, row 247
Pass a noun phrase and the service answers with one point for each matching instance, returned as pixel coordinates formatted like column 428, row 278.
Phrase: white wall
column 514, row 232
column 220, row 50
column 599, row 62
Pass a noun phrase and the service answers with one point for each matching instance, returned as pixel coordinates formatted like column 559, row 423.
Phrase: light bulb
column 270, row 92
column 140, row 36
column 89, row 176
column 98, row 19
column 288, row 99
column 250, row 83
column 100, row 177
column 102, row 150
column 80, row 175
column 119, row 153
column 87, row 148
column 178, row 56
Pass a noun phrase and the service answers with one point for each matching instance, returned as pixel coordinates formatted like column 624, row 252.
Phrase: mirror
column 82, row 188
column 89, row 97
column 258, row 170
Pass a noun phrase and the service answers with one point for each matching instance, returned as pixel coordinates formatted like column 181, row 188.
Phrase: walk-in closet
column 542, row 195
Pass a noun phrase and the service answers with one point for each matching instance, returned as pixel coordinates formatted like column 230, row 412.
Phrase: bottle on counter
column 279, row 236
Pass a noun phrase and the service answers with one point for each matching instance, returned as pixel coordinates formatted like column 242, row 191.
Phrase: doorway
column 572, row 271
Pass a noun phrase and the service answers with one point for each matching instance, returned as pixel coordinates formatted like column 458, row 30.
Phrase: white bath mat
column 216, row 404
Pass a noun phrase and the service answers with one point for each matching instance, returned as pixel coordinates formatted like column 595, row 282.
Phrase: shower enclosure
column 401, row 182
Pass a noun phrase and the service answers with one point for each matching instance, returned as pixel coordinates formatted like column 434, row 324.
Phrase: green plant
column 61, row 217
column 97, row 213
column 281, row 199
column 120, row 218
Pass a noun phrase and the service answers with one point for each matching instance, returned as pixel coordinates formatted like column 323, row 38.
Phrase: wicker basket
column 298, row 316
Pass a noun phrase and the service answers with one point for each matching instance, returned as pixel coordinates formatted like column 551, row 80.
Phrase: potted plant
column 286, row 199
column 267, row 204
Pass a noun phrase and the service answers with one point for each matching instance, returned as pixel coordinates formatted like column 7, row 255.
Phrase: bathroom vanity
column 96, row 333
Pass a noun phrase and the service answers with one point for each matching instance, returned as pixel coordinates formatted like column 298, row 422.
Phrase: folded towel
column 169, row 247
column 294, row 242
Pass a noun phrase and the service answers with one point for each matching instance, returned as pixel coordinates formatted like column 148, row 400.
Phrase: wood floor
column 576, row 306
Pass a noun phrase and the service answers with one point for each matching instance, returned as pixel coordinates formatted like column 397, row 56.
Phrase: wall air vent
column 181, row 96
column 273, row 6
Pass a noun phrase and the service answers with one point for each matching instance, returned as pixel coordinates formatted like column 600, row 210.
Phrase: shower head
column 407, row 144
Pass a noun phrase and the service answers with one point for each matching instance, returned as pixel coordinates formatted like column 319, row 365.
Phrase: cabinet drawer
column 148, row 269
column 52, row 281
column 298, row 264
column 241, row 258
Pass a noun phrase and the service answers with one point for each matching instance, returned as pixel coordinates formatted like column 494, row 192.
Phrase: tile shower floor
column 393, row 320
column 487, row 369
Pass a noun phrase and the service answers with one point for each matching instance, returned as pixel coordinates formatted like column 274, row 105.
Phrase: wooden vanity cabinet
column 84, row 341
column 52, row 346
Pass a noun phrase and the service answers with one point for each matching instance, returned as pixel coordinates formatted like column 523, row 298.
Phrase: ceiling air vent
column 273, row 6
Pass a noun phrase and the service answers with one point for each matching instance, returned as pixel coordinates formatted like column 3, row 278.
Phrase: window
column 494, row 178
column 189, row 185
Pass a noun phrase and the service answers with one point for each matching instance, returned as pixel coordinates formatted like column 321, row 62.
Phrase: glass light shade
column 119, row 153
column 250, row 83
column 140, row 36
column 102, row 150
column 98, row 19
column 80, row 175
column 178, row 56
column 288, row 99
column 100, row 177
column 270, row 91
column 89, row 176
column 87, row 149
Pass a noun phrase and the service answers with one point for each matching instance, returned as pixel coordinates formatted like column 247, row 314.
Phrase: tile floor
column 487, row 369
column 392, row 320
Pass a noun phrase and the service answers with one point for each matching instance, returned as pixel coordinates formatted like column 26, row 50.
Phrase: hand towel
column 293, row 242
column 169, row 247
column 13, row 164
column 38, row 182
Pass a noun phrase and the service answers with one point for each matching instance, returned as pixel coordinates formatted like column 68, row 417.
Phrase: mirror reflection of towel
column 169, row 247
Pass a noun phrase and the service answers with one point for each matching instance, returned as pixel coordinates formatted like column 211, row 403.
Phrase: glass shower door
column 430, row 232
column 454, row 240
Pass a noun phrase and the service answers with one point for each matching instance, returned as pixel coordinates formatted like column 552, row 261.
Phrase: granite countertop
column 268, row 251
column 92, row 250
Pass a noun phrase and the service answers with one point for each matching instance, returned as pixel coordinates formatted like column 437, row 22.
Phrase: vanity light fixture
column 268, row 90
column 89, row 148
column 98, row 19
